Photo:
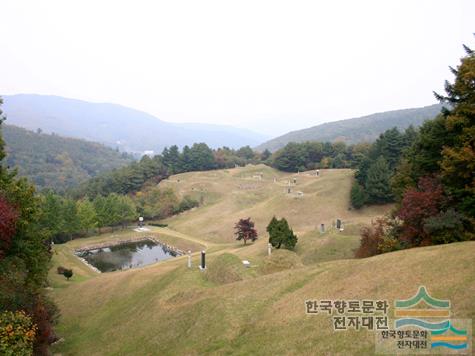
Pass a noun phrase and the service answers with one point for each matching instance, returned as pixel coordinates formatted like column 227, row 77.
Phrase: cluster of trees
column 66, row 218
column 313, row 155
column 377, row 166
column 24, row 258
column 55, row 162
column 280, row 233
column 198, row 157
column 434, row 180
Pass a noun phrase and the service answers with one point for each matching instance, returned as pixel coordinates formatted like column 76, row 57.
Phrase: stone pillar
column 203, row 260
column 189, row 259
column 269, row 249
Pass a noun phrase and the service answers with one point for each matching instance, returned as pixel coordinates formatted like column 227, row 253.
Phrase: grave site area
column 246, row 299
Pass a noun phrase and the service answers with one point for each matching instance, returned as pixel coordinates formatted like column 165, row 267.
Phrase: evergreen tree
column 280, row 234
column 378, row 182
column 458, row 155
column 265, row 155
column 358, row 196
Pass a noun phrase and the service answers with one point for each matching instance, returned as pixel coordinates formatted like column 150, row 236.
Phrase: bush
column 61, row 269
column 158, row 224
column 17, row 333
column 186, row 204
column 380, row 237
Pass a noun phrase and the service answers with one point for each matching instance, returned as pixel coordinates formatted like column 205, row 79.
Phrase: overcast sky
column 272, row 66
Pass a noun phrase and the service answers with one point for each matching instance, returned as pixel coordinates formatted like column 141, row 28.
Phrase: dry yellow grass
column 168, row 309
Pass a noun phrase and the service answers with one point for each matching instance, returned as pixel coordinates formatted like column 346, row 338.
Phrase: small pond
column 127, row 255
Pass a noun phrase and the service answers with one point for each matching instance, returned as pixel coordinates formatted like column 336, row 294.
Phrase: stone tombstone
column 338, row 224
column 203, row 260
column 322, row 228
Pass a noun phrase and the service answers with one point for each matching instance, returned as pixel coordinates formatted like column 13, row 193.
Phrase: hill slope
column 168, row 309
column 115, row 125
column 52, row 161
column 366, row 128
column 238, row 193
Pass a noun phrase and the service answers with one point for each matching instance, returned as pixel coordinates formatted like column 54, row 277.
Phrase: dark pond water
column 127, row 255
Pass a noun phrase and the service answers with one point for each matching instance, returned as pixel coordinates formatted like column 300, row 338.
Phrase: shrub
column 17, row 333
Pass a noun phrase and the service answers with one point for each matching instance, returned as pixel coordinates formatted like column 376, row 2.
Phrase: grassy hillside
column 361, row 129
column 52, row 161
column 168, row 309
column 238, row 193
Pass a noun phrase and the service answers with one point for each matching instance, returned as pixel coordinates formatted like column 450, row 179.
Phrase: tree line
column 314, row 155
column 198, row 157
column 66, row 218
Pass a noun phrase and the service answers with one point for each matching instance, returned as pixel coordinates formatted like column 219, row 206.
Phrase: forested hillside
column 52, row 161
column 429, row 174
column 361, row 129
column 115, row 125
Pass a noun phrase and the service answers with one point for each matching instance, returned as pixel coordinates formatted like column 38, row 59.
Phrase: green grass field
column 168, row 309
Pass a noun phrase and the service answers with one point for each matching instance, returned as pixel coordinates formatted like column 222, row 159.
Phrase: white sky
column 272, row 66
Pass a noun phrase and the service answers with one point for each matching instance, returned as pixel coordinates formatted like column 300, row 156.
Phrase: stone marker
column 322, row 228
column 318, row 172
column 189, row 259
column 288, row 190
column 269, row 249
column 203, row 261
column 338, row 223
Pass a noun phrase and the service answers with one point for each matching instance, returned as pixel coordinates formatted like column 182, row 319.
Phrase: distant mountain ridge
column 365, row 128
column 116, row 125
column 59, row 163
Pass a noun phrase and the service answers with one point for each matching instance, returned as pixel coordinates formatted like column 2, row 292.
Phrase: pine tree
column 378, row 182
column 358, row 196
column 280, row 234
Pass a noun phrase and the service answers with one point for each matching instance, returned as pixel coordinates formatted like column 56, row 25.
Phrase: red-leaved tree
column 8, row 218
column 417, row 205
column 245, row 230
